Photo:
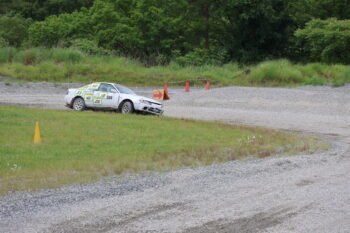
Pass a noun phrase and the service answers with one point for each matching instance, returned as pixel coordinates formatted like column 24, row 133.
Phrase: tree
column 144, row 28
column 62, row 28
column 325, row 40
column 242, row 30
column 14, row 30
column 40, row 9
column 303, row 11
column 255, row 30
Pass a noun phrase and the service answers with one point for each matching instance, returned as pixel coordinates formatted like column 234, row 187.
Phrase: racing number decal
column 103, row 95
column 78, row 92
column 94, row 86
column 88, row 97
column 98, row 101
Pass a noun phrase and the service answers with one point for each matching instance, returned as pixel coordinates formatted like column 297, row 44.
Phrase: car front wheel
column 127, row 107
column 78, row 104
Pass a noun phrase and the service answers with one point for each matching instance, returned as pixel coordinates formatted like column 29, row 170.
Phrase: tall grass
column 276, row 72
column 7, row 55
column 37, row 55
column 69, row 65
column 66, row 55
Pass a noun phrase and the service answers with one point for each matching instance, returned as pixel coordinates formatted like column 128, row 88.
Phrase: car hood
column 138, row 97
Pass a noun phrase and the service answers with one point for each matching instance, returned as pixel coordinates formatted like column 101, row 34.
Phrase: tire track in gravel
column 250, row 224
column 86, row 224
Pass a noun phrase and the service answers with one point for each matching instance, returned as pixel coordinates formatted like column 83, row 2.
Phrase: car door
column 106, row 96
column 88, row 97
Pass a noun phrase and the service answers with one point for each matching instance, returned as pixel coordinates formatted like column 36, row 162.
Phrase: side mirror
column 113, row 91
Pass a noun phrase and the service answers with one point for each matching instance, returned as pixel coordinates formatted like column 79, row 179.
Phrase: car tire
column 78, row 104
column 127, row 107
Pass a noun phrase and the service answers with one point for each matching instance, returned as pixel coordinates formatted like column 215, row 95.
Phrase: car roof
column 98, row 83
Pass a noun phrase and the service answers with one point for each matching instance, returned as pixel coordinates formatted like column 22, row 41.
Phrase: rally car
column 110, row 96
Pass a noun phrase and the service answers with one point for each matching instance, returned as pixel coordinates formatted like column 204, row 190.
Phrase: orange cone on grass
column 37, row 138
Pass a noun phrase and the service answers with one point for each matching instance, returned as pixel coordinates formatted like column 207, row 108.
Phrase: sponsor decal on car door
column 111, row 99
column 98, row 99
column 106, row 96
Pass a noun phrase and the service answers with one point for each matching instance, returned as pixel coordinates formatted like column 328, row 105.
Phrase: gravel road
column 305, row 193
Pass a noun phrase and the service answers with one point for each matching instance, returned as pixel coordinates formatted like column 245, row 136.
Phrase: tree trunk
column 206, row 26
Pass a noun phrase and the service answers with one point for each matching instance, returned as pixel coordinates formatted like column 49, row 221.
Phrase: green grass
column 67, row 65
column 84, row 146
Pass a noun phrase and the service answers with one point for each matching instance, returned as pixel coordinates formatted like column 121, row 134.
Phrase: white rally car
column 110, row 96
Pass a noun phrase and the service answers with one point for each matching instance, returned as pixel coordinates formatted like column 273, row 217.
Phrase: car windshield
column 124, row 90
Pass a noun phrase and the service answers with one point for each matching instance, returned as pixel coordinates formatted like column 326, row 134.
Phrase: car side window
column 103, row 87
column 110, row 88
column 106, row 87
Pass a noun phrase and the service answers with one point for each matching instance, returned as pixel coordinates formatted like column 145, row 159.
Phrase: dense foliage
column 326, row 40
column 194, row 32
column 14, row 30
column 40, row 9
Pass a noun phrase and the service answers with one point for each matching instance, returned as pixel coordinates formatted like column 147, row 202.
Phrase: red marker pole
column 207, row 85
column 187, row 88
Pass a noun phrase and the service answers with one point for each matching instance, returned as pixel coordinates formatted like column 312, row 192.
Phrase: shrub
column 325, row 40
column 315, row 81
column 7, row 54
column 89, row 47
column 14, row 30
column 66, row 55
column 37, row 55
column 199, row 57
column 47, row 33
column 58, row 29
column 3, row 43
column 347, row 74
column 345, row 78
column 30, row 57
column 279, row 71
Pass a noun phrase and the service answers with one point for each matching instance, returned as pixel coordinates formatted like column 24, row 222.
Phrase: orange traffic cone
column 187, row 88
column 207, row 85
column 37, row 138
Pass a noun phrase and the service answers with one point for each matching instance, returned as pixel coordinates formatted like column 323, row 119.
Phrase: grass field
column 66, row 65
column 84, row 146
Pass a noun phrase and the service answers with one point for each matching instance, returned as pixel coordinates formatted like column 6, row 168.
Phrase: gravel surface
column 305, row 193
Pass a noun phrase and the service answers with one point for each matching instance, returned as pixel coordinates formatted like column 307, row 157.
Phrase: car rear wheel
column 78, row 104
column 127, row 107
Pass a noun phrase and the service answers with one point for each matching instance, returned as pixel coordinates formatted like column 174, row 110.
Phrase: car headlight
column 144, row 101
